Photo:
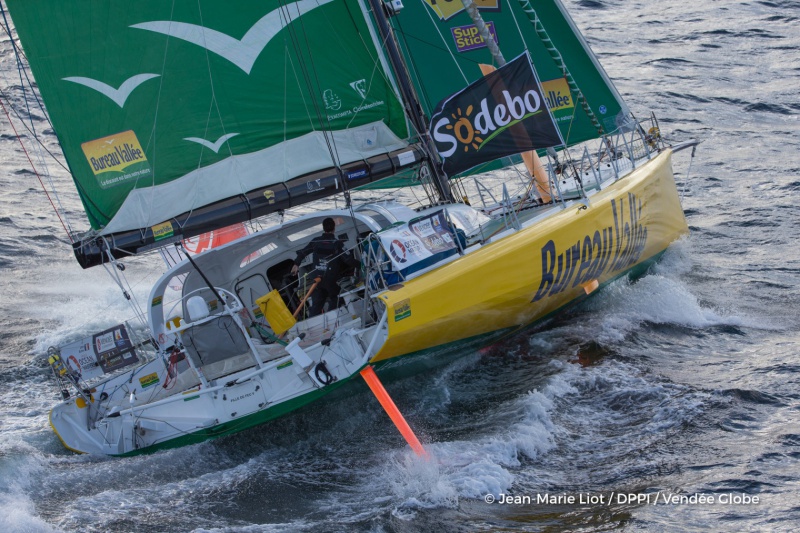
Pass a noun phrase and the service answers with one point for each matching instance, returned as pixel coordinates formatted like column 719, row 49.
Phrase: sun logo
column 464, row 130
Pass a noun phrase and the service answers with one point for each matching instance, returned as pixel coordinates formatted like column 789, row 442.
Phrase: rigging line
column 306, row 106
column 84, row 198
column 151, row 272
column 519, row 29
column 38, row 140
column 558, row 59
column 377, row 59
column 287, row 60
column 211, row 106
column 305, row 71
column 24, row 92
column 413, row 69
column 414, row 112
column 19, row 53
column 410, row 36
column 406, row 107
column 330, row 141
column 82, row 193
column 214, row 101
column 366, row 92
column 569, row 130
column 392, row 83
column 101, row 312
column 127, row 291
column 35, row 171
column 19, row 67
column 39, row 145
column 444, row 42
column 416, row 198
column 151, row 139
column 525, row 44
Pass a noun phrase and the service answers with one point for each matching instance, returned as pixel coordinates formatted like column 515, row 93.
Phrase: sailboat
column 181, row 118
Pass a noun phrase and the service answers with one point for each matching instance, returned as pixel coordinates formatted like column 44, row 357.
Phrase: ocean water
column 641, row 405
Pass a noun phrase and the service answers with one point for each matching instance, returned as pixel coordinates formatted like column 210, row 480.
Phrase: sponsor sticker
column 360, row 87
column 357, row 174
column 467, row 37
column 163, row 231
column 149, row 380
column 402, row 309
column 117, row 159
column 445, row 9
column 557, row 94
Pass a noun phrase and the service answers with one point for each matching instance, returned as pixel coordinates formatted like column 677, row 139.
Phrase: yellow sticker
column 557, row 94
column 117, row 159
column 162, row 231
column 148, row 380
column 402, row 309
column 445, row 9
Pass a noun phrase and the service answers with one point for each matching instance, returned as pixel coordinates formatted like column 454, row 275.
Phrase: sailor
column 329, row 258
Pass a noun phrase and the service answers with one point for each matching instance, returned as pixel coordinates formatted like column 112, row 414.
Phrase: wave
column 591, row 4
column 768, row 108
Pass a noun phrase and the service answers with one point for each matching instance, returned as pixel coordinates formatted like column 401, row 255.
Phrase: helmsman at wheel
column 329, row 259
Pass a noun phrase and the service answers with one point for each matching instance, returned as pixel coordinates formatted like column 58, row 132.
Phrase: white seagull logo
column 242, row 53
column 119, row 96
column 214, row 147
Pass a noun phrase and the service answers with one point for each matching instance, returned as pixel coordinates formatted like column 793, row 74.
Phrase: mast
column 477, row 19
column 410, row 99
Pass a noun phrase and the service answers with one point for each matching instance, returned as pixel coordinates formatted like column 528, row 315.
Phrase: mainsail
column 177, row 118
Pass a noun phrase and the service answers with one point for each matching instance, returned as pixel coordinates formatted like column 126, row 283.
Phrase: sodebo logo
column 468, row 132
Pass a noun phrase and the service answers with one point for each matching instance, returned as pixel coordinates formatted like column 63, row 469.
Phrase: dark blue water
column 685, row 383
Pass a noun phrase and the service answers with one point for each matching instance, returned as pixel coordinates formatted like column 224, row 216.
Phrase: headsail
column 444, row 48
column 181, row 117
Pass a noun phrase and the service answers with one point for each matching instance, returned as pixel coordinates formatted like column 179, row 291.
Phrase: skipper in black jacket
column 329, row 258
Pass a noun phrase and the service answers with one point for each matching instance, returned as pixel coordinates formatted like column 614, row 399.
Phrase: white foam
column 84, row 303
column 17, row 513
column 623, row 306
column 19, row 464
column 486, row 465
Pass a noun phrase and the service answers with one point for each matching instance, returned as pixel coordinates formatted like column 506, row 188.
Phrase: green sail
column 435, row 32
column 163, row 107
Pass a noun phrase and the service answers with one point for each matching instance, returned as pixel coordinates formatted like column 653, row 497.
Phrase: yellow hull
column 526, row 276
